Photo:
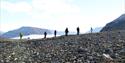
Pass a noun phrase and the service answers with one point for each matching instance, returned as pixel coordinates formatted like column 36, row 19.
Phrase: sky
column 59, row 14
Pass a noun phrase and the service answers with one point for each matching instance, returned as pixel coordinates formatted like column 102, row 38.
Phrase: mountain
column 32, row 32
column 117, row 24
column 26, row 31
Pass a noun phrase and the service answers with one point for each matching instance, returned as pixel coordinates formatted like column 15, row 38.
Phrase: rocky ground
column 104, row 47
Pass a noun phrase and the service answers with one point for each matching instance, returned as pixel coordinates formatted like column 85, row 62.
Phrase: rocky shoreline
column 104, row 47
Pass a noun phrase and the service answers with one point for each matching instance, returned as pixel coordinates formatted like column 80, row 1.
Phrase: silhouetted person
column 91, row 30
column 45, row 34
column 55, row 33
column 21, row 35
column 66, row 32
column 78, row 30
column 28, row 38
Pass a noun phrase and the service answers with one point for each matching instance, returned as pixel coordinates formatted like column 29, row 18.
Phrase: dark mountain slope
column 117, row 24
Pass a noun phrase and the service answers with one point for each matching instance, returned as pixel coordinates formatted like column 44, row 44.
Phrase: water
column 34, row 36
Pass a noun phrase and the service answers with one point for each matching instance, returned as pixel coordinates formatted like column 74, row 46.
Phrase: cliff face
column 117, row 24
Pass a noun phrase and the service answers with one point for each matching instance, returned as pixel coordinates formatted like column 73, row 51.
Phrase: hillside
column 84, row 48
column 26, row 31
column 117, row 24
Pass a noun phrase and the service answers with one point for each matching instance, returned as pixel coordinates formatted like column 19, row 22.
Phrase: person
column 77, row 30
column 55, row 33
column 21, row 35
column 28, row 38
column 45, row 34
column 91, row 30
column 66, row 32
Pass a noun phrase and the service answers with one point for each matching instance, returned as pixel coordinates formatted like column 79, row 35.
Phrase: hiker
column 91, row 30
column 45, row 34
column 21, row 35
column 55, row 33
column 78, row 30
column 28, row 38
column 66, row 32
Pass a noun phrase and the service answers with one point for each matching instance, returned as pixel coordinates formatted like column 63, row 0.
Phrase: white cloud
column 54, row 14
column 54, row 6
column 16, row 7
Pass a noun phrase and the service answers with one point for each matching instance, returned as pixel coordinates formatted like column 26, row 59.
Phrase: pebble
column 15, row 59
column 65, row 50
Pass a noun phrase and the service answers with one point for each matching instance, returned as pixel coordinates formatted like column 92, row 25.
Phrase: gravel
column 84, row 48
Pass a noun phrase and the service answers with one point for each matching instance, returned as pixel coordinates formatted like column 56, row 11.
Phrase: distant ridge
column 117, row 24
column 1, row 32
column 26, row 31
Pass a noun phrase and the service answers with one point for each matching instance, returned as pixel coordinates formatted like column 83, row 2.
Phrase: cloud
column 53, row 14
column 49, row 9
column 16, row 7
column 56, row 13
column 43, row 9
column 54, row 6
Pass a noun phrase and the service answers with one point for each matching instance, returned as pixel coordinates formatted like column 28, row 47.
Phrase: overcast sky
column 58, row 14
